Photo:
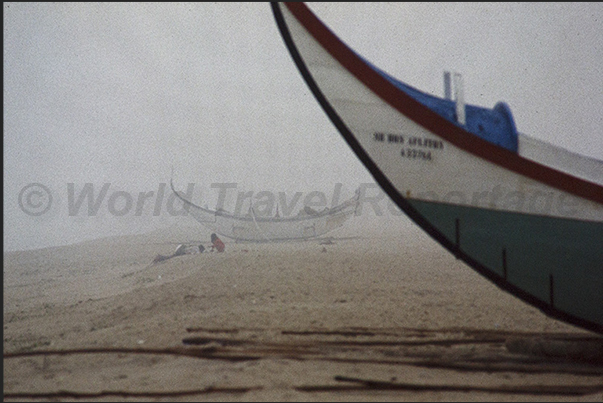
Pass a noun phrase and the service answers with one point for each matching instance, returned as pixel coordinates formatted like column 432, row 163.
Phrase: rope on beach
column 210, row 352
column 457, row 349
column 366, row 384
column 65, row 394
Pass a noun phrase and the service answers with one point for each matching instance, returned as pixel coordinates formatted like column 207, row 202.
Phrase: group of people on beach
column 216, row 246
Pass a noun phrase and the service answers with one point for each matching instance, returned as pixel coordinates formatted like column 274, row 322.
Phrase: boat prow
column 523, row 213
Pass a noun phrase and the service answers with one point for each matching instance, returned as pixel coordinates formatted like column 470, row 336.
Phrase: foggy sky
column 121, row 94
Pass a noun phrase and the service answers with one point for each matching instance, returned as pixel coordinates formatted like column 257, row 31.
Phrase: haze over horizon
column 121, row 97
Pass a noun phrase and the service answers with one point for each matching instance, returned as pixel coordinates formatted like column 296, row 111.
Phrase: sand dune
column 377, row 318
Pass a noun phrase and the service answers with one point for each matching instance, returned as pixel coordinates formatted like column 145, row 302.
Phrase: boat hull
column 535, row 231
column 251, row 228
column 551, row 263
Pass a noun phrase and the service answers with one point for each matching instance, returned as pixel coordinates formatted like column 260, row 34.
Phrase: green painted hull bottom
column 557, row 264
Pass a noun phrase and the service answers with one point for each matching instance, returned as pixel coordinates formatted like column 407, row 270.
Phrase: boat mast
column 447, row 86
column 459, row 96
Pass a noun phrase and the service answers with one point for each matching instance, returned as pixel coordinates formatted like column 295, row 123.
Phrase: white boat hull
column 535, row 229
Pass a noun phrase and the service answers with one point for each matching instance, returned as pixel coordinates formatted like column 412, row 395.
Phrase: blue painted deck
column 495, row 125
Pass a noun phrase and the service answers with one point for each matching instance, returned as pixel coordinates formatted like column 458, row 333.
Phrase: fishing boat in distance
column 306, row 224
column 525, row 214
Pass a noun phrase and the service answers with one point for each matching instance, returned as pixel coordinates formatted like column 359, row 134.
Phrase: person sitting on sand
column 217, row 243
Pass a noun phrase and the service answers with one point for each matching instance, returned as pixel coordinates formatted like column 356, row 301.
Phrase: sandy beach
column 384, row 317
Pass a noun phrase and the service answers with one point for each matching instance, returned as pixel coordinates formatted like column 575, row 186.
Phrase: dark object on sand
column 590, row 350
column 161, row 258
